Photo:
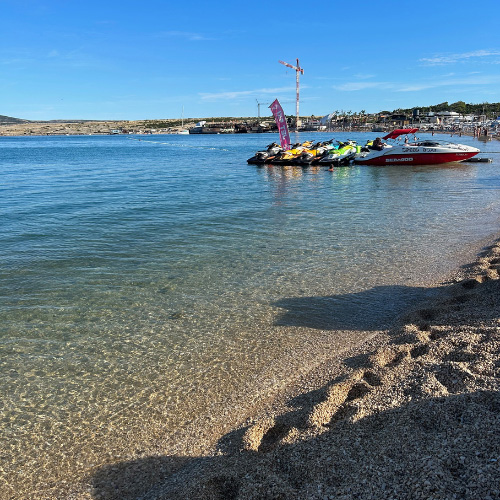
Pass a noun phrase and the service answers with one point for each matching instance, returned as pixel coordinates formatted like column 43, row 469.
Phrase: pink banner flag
column 280, row 118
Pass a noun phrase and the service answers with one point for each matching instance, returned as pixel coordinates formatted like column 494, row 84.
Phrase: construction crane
column 259, row 104
column 298, row 70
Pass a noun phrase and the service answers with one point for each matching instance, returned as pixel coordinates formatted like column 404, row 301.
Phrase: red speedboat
column 418, row 152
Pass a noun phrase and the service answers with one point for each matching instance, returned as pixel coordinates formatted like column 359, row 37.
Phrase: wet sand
column 412, row 413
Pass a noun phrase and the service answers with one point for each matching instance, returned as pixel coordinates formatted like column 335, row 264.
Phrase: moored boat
column 417, row 152
column 202, row 128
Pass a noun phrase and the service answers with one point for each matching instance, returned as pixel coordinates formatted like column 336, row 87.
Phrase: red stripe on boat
column 418, row 159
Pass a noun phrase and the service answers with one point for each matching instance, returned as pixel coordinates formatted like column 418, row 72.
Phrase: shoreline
column 440, row 359
column 142, row 127
column 77, row 128
column 414, row 415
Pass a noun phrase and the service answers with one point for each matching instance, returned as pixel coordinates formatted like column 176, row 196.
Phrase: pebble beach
column 413, row 413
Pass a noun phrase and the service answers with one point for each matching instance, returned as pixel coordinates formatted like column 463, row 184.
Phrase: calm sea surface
column 145, row 280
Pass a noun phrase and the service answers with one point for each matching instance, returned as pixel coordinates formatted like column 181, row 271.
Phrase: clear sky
column 66, row 59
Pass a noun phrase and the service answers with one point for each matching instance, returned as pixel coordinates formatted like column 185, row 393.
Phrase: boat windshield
column 431, row 143
column 428, row 144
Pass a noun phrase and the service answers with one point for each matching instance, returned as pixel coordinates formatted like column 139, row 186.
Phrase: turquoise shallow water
column 143, row 282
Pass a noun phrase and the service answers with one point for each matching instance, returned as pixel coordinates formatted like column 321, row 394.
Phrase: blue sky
column 146, row 60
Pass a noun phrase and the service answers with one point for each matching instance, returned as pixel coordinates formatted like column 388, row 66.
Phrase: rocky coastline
column 88, row 128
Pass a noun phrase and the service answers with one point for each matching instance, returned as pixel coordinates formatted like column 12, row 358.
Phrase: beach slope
column 416, row 414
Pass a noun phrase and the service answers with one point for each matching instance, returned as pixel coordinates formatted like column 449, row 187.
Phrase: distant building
column 394, row 121
column 312, row 124
column 448, row 116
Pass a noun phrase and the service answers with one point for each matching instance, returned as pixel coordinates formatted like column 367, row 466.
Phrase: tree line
column 489, row 109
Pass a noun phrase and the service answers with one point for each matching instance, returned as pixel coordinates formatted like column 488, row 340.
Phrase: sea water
column 147, row 280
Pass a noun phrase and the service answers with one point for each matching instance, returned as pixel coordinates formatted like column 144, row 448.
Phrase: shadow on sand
column 392, row 445
column 438, row 439
column 372, row 309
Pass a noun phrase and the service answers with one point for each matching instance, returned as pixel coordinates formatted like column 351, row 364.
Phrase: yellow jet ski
column 314, row 153
column 287, row 157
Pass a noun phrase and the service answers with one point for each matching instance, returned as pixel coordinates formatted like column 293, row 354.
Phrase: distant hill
column 8, row 119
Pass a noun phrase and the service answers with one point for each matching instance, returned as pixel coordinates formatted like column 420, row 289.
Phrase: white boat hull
column 420, row 153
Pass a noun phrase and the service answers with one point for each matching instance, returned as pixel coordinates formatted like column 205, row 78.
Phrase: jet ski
column 290, row 155
column 314, row 153
column 262, row 157
column 341, row 154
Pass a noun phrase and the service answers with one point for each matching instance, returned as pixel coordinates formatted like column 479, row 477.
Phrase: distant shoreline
column 82, row 128
column 139, row 127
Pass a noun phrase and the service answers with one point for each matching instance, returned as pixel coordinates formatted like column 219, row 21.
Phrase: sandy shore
column 413, row 413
